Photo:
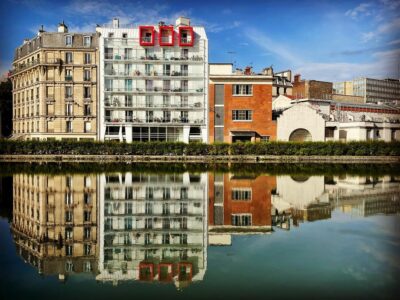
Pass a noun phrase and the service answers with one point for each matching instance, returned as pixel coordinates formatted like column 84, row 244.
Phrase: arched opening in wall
column 342, row 135
column 300, row 135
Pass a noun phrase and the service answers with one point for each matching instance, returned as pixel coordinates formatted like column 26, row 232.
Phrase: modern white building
column 153, row 227
column 153, row 82
column 327, row 120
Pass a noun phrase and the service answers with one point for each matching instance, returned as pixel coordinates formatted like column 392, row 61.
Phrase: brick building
column 240, row 105
column 311, row 89
column 240, row 204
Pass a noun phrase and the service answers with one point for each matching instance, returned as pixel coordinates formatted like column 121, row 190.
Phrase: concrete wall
column 220, row 69
column 300, row 116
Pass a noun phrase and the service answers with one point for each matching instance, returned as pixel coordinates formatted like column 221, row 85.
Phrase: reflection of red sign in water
column 185, row 271
column 165, row 272
column 146, row 271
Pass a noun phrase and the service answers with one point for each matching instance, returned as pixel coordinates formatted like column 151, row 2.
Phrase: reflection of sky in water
column 343, row 254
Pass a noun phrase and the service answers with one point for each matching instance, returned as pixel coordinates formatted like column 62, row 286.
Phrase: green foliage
column 199, row 149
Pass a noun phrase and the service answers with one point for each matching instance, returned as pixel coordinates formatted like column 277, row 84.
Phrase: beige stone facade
column 55, row 222
column 54, row 80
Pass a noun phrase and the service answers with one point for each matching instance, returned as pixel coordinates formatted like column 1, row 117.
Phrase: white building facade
column 326, row 120
column 153, row 83
column 153, row 227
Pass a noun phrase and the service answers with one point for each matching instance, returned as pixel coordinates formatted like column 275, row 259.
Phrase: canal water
column 182, row 233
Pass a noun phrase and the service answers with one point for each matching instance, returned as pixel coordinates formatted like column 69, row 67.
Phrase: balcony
column 68, row 77
column 24, row 66
column 146, row 35
column 155, row 120
column 186, row 36
column 155, row 90
column 167, row 35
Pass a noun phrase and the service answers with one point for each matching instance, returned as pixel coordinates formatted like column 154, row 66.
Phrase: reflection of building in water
column 301, row 196
column 55, row 222
column 365, row 196
column 153, row 227
column 238, row 205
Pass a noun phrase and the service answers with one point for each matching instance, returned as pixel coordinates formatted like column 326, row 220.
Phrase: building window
column 241, row 220
column 86, row 92
column 68, row 57
column 68, row 92
column 69, row 216
column 87, row 110
column 128, row 223
column 242, row 115
column 86, row 232
column 86, row 216
column 86, row 41
column 241, row 194
column 86, row 75
column 148, row 209
column 87, row 249
column 68, row 126
column 69, row 233
column 264, row 138
column 68, row 40
column 69, row 266
column 87, row 267
column 87, row 198
column 68, row 198
column 69, row 109
column 88, row 127
column 87, row 58
column 242, row 89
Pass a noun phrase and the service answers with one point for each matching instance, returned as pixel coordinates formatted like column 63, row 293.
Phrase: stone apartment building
column 54, row 223
column 54, row 80
column 240, row 105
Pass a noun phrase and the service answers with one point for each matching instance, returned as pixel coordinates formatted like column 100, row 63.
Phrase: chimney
column 41, row 30
column 248, row 70
column 62, row 28
column 182, row 21
column 297, row 78
column 115, row 23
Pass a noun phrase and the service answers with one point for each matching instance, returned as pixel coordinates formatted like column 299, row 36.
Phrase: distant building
column 153, row 82
column 240, row 105
column 54, row 80
column 371, row 90
column 327, row 120
column 282, row 84
column 311, row 89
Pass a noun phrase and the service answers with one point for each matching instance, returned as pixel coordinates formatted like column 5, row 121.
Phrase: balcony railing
column 24, row 66
column 68, row 77
column 110, row 56
column 143, row 105
column 155, row 90
column 161, row 120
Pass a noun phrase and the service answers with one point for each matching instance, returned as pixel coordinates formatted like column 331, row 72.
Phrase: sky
column 321, row 40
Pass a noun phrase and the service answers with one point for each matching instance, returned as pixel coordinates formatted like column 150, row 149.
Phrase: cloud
column 387, row 28
column 383, row 65
column 268, row 45
column 394, row 42
column 362, row 9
